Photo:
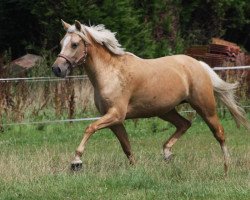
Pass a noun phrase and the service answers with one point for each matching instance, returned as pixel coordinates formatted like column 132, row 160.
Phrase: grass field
column 34, row 163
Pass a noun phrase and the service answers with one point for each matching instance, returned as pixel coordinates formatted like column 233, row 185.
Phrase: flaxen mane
column 102, row 36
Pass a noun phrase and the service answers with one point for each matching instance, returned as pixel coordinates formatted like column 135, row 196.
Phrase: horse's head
column 73, row 49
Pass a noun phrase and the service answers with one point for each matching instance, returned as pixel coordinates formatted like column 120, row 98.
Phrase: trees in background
column 148, row 28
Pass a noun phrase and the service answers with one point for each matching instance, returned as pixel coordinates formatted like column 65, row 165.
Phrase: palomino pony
column 127, row 87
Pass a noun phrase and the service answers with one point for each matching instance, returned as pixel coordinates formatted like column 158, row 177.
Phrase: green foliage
column 147, row 28
column 18, row 26
column 228, row 19
column 121, row 18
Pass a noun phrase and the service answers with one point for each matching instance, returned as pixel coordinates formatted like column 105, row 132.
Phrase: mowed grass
column 34, row 163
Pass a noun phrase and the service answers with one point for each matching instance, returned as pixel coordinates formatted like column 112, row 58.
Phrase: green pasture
column 34, row 163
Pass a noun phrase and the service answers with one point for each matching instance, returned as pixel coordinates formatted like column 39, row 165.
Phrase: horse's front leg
column 121, row 134
column 113, row 116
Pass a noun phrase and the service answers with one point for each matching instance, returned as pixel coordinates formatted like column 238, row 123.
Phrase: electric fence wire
column 39, row 79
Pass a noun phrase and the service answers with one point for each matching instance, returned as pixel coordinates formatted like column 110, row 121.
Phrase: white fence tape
column 39, row 79
column 231, row 68
column 52, row 121
column 84, row 119
column 44, row 78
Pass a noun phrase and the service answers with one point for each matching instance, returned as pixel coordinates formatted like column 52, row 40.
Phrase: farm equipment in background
column 223, row 53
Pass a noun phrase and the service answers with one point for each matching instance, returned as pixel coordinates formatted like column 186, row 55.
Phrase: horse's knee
column 91, row 129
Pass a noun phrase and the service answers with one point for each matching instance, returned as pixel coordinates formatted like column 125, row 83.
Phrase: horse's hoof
column 76, row 166
column 169, row 157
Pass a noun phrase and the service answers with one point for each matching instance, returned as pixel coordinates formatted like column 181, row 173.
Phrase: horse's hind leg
column 181, row 125
column 218, row 132
column 208, row 113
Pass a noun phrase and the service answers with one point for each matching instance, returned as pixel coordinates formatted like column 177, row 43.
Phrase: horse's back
column 165, row 83
column 182, row 67
column 160, row 84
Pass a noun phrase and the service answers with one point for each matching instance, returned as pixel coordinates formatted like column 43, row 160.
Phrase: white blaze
column 65, row 42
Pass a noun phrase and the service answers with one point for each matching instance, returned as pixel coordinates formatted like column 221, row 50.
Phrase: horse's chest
column 107, row 98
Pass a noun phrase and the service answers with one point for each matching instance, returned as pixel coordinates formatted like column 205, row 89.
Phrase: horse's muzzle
column 57, row 71
column 61, row 70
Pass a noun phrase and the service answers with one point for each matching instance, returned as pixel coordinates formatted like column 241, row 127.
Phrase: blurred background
column 216, row 31
column 148, row 28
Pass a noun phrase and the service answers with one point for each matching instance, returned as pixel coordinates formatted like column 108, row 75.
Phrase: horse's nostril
column 56, row 70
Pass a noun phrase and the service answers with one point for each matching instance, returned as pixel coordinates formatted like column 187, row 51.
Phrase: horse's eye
column 74, row 45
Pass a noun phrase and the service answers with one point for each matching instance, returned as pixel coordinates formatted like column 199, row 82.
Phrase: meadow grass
column 34, row 163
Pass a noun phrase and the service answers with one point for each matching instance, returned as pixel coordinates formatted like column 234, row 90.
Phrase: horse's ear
column 78, row 25
column 65, row 25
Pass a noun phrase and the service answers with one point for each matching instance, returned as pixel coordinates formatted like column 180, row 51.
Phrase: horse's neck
column 97, row 66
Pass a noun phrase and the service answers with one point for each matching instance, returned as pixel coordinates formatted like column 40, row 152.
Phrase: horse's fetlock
column 78, row 153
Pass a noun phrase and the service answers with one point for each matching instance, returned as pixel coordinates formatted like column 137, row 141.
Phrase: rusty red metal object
column 223, row 53
column 218, row 53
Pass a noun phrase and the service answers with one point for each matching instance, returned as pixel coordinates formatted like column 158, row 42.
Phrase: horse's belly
column 144, row 110
column 155, row 103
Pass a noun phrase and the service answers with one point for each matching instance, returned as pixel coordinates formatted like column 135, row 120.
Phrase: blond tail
column 225, row 91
